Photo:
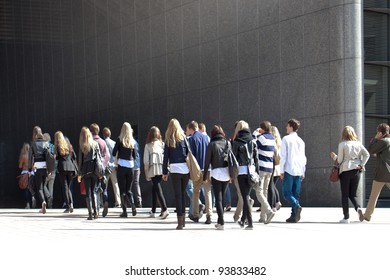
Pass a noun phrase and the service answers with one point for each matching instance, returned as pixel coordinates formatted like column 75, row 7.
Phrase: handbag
column 253, row 175
column 334, row 173
column 23, row 181
column 82, row 188
column 231, row 162
column 99, row 168
column 193, row 166
column 50, row 160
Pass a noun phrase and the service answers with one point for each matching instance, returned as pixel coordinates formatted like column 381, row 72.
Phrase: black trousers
column 245, row 191
column 349, row 182
column 39, row 179
column 179, row 183
column 219, row 188
column 125, row 179
column 65, row 179
column 157, row 193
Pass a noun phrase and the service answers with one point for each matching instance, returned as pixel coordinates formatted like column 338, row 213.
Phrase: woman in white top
column 352, row 157
column 153, row 163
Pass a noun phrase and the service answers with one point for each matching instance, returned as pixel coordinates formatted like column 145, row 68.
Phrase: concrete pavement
column 68, row 246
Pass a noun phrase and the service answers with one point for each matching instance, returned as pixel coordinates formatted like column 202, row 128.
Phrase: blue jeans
column 291, row 187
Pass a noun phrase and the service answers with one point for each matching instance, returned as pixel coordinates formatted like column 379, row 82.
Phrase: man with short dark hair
column 265, row 151
column 292, row 168
column 198, row 143
column 114, row 181
column 94, row 128
column 380, row 146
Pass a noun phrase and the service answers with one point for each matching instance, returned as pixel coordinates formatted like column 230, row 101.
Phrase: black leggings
column 219, row 188
column 349, row 182
column 65, row 179
column 125, row 179
column 39, row 179
column 245, row 191
column 179, row 183
column 157, row 192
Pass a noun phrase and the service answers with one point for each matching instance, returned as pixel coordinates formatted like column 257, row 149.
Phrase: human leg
column 375, row 191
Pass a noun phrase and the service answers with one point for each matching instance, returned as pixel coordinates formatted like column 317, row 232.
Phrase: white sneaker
column 152, row 215
column 219, row 227
column 278, row 205
column 43, row 210
column 344, row 221
column 270, row 216
column 164, row 214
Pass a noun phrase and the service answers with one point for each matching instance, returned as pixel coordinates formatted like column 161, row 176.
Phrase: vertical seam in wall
column 182, row 57
column 151, row 62
column 280, row 65
column 166, row 59
column 85, row 66
column 238, row 68
column 62, row 59
column 122, row 64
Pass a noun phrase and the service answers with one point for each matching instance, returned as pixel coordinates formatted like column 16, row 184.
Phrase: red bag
column 334, row 174
column 82, row 187
column 23, row 181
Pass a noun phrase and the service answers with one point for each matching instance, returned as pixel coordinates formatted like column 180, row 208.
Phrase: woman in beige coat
column 352, row 157
column 153, row 163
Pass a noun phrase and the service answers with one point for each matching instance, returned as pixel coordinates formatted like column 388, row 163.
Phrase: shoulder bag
column 253, row 175
column 193, row 166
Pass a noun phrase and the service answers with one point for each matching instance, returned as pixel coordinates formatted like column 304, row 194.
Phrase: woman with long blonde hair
column 89, row 149
column 125, row 151
column 153, row 164
column 352, row 157
column 37, row 163
column 175, row 153
column 243, row 148
column 66, row 168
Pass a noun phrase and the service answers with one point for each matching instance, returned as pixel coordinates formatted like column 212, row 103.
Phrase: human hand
column 165, row 178
column 281, row 176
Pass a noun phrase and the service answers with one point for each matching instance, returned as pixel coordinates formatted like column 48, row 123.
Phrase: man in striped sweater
column 265, row 149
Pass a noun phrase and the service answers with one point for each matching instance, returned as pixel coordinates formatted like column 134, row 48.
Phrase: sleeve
column 207, row 161
column 116, row 148
column 377, row 146
column 365, row 156
column 106, row 154
column 283, row 155
column 166, row 158
column 340, row 153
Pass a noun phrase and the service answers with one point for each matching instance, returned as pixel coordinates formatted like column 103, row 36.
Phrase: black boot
column 95, row 206
column 132, row 205
column 89, row 207
column 124, row 206
column 179, row 222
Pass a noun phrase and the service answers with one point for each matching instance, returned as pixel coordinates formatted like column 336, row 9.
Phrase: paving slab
column 59, row 246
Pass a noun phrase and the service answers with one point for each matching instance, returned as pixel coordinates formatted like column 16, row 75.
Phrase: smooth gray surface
column 317, row 247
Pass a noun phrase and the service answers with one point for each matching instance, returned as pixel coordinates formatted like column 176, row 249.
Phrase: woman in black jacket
column 243, row 142
column 216, row 155
column 66, row 167
column 89, row 149
column 175, row 153
column 125, row 151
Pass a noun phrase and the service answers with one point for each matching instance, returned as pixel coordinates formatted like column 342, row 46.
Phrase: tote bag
column 193, row 166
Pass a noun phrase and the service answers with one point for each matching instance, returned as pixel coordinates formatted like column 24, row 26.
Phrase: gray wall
column 65, row 64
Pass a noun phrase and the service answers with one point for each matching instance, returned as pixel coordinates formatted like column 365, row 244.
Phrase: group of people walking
column 262, row 154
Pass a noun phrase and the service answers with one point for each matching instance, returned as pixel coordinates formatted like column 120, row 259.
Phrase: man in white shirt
column 292, row 168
